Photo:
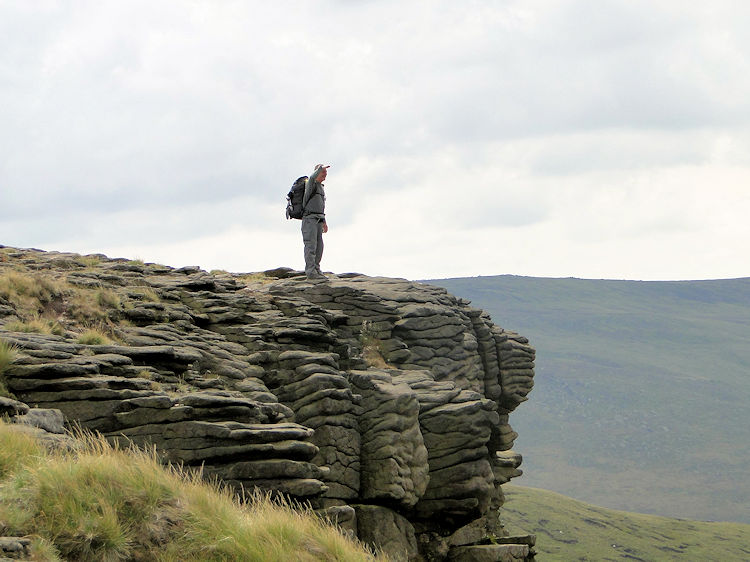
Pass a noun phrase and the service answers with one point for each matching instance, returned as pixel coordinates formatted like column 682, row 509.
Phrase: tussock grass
column 102, row 503
column 92, row 336
column 91, row 307
column 88, row 261
column 251, row 278
column 17, row 449
column 145, row 294
column 374, row 357
column 8, row 353
column 372, row 347
column 30, row 293
column 107, row 298
column 44, row 304
column 36, row 325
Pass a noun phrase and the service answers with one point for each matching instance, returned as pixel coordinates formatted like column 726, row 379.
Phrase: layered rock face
column 382, row 402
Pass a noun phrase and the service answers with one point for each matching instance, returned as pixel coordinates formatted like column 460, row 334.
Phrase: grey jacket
column 314, row 200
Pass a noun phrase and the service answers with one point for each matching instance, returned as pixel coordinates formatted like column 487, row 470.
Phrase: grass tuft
column 17, row 449
column 8, row 354
column 253, row 278
column 108, row 299
column 84, row 307
column 92, row 336
column 372, row 347
column 30, row 294
column 145, row 294
column 36, row 325
column 43, row 303
column 88, row 261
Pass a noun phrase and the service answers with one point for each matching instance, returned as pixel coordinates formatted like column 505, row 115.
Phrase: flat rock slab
column 490, row 553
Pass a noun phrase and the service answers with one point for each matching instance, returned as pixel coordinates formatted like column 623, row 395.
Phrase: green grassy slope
column 93, row 502
column 641, row 390
column 570, row 530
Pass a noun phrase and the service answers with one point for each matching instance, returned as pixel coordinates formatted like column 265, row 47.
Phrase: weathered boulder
column 385, row 529
column 50, row 420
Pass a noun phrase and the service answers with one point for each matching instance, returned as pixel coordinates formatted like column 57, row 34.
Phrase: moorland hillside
column 641, row 392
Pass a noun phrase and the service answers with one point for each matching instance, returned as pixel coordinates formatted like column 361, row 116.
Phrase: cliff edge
column 382, row 402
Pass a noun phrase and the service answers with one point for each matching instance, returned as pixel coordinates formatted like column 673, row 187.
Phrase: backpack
column 294, row 199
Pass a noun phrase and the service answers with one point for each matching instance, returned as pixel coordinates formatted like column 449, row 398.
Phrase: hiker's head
column 323, row 172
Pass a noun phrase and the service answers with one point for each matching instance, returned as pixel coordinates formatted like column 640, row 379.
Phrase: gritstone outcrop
column 383, row 403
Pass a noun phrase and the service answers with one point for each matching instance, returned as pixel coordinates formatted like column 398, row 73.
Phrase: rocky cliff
column 381, row 402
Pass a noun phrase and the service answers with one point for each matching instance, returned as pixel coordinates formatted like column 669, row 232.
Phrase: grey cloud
column 586, row 66
column 117, row 226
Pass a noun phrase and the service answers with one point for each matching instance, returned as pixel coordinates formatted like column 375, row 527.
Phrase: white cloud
column 550, row 137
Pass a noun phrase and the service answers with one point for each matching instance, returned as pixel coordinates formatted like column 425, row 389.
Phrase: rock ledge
column 383, row 403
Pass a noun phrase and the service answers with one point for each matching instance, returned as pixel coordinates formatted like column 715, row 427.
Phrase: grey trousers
column 312, row 236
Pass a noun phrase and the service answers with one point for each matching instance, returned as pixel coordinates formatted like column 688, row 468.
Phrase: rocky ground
column 381, row 402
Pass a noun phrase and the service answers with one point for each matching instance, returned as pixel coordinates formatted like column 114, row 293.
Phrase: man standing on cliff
column 314, row 221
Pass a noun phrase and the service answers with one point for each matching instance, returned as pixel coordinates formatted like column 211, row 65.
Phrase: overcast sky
column 555, row 138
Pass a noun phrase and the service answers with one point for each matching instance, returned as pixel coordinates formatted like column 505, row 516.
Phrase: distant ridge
column 641, row 392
